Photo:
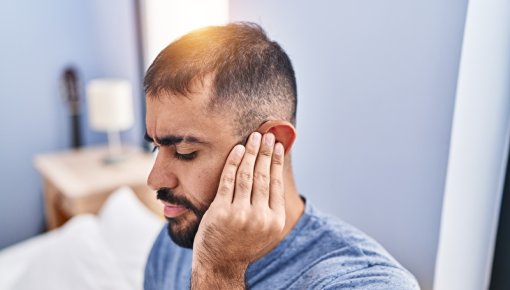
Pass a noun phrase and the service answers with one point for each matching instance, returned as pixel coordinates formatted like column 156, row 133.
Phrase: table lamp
column 110, row 110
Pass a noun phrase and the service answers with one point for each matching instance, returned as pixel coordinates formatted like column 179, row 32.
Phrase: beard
column 183, row 229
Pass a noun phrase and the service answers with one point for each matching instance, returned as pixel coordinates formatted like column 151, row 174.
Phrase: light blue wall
column 376, row 85
column 38, row 39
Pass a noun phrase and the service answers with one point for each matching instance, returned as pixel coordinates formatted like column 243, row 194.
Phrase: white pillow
column 15, row 259
column 129, row 228
column 78, row 259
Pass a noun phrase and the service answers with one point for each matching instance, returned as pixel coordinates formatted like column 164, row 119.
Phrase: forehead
column 187, row 116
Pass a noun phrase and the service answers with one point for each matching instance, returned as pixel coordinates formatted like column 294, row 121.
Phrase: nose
column 162, row 174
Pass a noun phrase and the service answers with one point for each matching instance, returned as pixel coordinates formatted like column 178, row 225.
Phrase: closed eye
column 186, row 157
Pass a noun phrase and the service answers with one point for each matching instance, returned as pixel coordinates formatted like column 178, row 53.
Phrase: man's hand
column 245, row 218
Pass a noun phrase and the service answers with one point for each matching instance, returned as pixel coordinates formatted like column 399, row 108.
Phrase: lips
column 173, row 210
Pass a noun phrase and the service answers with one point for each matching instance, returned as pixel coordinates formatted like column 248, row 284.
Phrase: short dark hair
column 250, row 74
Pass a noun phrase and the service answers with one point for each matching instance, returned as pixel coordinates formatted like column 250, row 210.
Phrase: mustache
column 168, row 195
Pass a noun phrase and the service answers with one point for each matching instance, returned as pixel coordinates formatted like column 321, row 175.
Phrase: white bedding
column 107, row 251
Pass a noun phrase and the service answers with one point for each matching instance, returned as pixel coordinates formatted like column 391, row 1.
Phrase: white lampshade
column 110, row 104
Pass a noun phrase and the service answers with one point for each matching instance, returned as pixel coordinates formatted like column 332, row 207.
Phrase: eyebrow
column 173, row 139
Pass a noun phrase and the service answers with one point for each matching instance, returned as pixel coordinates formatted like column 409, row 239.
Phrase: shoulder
column 341, row 256
column 154, row 262
column 340, row 241
column 160, row 249
column 166, row 263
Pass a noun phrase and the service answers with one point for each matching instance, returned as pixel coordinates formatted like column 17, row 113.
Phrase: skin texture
column 247, row 192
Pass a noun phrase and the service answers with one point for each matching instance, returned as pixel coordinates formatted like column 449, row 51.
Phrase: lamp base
column 115, row 154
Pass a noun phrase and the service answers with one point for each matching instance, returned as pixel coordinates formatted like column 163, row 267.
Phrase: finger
column 277, row 191
column 261, row 177
column 228, row 175
column 244, row 177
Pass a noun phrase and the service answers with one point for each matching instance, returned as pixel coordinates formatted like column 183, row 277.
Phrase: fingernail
column 255, row 138
column 239, row 150
column 269, row 138
column 278, row 149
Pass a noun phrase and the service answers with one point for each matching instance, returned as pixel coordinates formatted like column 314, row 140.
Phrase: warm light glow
column 167, row 20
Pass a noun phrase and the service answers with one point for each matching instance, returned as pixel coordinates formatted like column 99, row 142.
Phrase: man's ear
column 283, row 131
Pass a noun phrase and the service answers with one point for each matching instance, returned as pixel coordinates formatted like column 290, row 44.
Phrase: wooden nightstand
column 77, row 181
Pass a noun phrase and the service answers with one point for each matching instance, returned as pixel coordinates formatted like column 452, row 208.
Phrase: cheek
column 209, row 179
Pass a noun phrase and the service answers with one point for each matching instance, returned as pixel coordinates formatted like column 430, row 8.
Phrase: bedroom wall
column 376, row 86
column 40, row 38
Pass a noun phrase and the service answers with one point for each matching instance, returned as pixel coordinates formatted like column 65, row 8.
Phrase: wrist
column 226, row 270
column 207, row 275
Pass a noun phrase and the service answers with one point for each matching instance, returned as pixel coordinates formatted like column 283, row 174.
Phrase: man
column 221, row 110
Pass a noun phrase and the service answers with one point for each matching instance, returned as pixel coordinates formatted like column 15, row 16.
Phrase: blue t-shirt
column 320, row 252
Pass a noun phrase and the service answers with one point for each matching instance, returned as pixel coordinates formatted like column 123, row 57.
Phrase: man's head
column 250, row 76
column 206, row 92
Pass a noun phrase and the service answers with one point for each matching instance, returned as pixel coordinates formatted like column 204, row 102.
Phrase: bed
column 103, row 251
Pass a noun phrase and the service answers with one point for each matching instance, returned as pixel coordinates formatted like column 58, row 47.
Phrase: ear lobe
column 283, row 131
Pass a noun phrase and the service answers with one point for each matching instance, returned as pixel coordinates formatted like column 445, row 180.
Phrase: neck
column 294, row 205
